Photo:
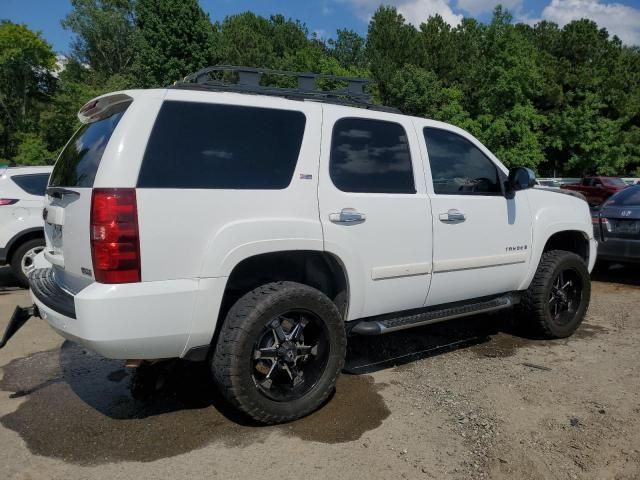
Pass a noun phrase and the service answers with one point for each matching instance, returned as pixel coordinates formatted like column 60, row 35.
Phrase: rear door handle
column 347, row 216
column 452, row 216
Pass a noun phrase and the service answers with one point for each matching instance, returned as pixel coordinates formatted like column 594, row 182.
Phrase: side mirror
column 521, row 178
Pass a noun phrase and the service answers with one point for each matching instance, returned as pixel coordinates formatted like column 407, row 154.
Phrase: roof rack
column 249, row 82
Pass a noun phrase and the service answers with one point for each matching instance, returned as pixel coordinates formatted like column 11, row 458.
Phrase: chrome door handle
column 452, row 216
column 347, row 216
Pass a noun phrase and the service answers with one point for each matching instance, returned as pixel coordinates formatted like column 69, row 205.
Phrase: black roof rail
column 249, row 78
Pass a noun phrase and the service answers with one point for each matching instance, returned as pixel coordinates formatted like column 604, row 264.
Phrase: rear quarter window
column 33, row 184
column 204, row 145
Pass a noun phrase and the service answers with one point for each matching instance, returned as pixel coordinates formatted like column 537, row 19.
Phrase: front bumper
column 146, row 320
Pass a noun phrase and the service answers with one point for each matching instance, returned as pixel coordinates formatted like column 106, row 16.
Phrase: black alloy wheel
column 290, row 355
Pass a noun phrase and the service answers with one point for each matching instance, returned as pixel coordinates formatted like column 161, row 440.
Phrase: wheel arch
column 316, row 268
column 21, row 237
column 572, row 239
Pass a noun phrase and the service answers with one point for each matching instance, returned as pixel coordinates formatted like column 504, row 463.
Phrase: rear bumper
column 619, row 250
column 146, row 320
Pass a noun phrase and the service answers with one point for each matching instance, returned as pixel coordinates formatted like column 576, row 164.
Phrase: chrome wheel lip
column 27, row 264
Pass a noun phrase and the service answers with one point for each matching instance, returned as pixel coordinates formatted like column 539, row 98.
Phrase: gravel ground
column 465, row 399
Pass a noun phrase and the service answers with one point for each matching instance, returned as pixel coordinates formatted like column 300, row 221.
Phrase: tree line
column 563, row 101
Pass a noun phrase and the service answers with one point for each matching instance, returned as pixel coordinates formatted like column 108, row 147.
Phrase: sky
column 324, row 17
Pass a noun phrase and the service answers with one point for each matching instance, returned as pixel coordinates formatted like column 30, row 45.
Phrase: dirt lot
column 461, row 400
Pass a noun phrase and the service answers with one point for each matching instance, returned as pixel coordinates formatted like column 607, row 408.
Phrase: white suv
column 21, row 226
column 256, row 227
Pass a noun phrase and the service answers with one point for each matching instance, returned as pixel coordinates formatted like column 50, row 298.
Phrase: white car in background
column 21, row 226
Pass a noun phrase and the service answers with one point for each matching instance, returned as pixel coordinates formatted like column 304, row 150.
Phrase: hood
column 571, row 193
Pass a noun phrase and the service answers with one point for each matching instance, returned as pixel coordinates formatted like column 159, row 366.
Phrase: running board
column 386, row 323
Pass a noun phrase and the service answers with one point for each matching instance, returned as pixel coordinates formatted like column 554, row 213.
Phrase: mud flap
column 18, row 319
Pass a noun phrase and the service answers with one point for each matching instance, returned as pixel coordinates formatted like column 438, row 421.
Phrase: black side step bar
column 415, row 318
column 18, row 319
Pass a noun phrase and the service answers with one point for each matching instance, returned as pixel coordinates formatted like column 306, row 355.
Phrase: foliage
column 32, row 150
column 176, row 38
column 25, row 82
column 106, row 37
column 564, row 101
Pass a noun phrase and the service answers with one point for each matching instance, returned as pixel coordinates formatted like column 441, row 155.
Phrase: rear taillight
column 595, row 221
column 606, row 224
column 115, row 242
column 8, row 201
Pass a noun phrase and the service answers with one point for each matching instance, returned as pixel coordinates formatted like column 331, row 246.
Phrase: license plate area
column 627, row 227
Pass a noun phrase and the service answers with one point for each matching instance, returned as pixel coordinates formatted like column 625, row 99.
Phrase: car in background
column 597, row 189
column 22, row 192
column 616, row 226
column 547, row 182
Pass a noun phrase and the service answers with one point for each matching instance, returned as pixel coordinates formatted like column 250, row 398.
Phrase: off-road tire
column 16, row 260
column 534, row 304
column 231, row 361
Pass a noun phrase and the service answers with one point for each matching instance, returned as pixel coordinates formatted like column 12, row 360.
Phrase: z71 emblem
column 626, row 213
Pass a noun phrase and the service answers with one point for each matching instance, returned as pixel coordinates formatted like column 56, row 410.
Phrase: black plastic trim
column 46, row 289
column 197, row 354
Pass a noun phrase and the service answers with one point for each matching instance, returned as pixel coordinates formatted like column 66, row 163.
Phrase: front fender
column 554, row 214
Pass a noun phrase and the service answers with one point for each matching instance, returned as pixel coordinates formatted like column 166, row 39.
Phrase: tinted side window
column 370, row 156
column 34, row 184
column 458, row 167
column 204, row 145
column 79, row 161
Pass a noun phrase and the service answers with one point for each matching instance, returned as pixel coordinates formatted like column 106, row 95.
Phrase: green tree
column 25, row 81
column 391, row 43
column 419, row 92
column 349, row 49
column 176, row 38
column 106, row 37
column 32, row 150
column 251, row 40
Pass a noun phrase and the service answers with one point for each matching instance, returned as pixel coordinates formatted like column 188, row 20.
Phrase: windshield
column 79, row 161
column 630, row 197
column 615, row 182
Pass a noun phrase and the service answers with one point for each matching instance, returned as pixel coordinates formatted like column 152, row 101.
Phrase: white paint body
column 25, row 215
column 401, row 257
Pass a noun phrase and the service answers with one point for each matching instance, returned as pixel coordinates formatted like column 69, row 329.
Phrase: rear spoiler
column 103, row 107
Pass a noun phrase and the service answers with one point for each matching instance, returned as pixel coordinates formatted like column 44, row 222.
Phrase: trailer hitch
column 18, row 319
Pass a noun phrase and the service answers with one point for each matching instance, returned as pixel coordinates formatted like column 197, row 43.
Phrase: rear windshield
column 79, row 161
column 629, row 197
column 204, row 145
column 34, row 184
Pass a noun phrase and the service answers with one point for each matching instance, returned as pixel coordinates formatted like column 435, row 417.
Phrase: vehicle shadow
column 120, row 393
column 617, row 273
column 166, row 386
column 497, row 334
